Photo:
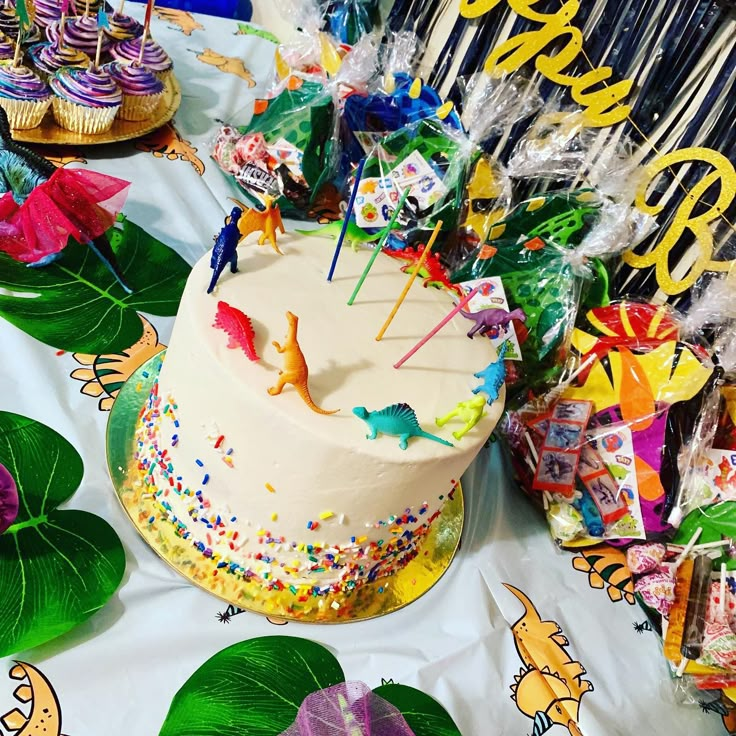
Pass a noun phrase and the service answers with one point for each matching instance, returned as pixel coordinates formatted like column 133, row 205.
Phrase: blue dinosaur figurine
column 493, row 376
column 226, row 248
column 398, row 420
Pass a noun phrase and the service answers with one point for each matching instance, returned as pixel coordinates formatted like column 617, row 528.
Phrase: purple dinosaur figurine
column 487, row 319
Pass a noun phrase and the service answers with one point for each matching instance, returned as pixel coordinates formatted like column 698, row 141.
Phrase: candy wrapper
column 608, row 440
column 350, row 20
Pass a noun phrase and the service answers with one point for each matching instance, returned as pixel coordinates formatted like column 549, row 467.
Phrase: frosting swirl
column 50, row 57
column 134, row 80
column 20, row 83
column 79, row 33
column 154, row 57
column 9, row 25
column 89, row 87
column 7, row 48
column 47, row 11
column 123, row 27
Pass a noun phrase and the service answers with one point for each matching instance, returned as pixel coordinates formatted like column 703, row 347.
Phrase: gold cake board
column 369, row 600
column 49, row 133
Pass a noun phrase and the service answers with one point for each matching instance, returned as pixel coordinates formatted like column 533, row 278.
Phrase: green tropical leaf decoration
column 717, row 522
column 425, row 716
column 57, row 568
column 252, row 688
column 75, row 304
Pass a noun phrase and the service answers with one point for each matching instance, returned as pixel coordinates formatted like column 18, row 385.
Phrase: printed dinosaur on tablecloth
column 226, row 248
column 166, row 142
column 493, row 376
column 295, row 370
column 606, row 567
column 487, row 319
column 44, row 716
column 432, row 272
column 227, row 64
column 181, row 18
column 398, row 420
column 549, row 688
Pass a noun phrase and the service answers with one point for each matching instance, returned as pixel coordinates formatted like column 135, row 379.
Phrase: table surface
column 117, row 673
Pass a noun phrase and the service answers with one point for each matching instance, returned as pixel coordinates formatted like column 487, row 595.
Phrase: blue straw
column 348, row 213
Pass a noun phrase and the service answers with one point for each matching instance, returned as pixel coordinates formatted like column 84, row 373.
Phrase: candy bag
column 349, row 20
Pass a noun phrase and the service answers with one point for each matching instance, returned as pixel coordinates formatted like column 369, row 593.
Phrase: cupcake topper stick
column 24, row 21
column 86, row 7
column 102, row 24
column 147, row 19
column 346, row 221
column 144, row 38
column 121, row 8
column 379, row 246
column 417, row 268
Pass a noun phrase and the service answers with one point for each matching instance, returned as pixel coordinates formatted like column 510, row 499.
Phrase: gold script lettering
column 698, row 225
column 603, row 105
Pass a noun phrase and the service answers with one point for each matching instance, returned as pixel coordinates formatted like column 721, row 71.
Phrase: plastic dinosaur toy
column 470, row 412
column 239, row 329
column 487, row 319
column 267, row 222
column 295, row 369
column 398, row 420
column 433, row 272
column 493, row 376
column 355, row 234
column 226, row 248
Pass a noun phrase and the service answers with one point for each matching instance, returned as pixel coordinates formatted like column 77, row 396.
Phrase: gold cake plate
column 369, row 600
column 50, row 133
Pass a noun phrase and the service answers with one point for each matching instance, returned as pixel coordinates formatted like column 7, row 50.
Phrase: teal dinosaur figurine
column 398, row 420
column 355, row 234
column 493, row 376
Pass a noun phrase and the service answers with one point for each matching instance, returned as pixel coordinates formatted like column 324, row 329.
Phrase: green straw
column 379, row 246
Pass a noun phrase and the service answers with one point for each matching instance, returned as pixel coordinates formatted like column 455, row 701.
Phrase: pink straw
column 433, row 332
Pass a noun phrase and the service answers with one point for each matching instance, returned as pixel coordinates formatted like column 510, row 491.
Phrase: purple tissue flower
column 8, row 499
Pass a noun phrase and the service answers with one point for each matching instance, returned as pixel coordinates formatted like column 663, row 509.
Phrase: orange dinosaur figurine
column 295, row 369
column 266, row 221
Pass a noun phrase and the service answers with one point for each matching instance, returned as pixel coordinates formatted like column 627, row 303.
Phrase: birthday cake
column 279, row 493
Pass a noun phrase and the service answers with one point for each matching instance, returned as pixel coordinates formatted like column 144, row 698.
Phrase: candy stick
column 408, row 285
column 681, row 668
column 698, row 547
column 346, row 219
column 688, row 547
column 461, row 304
column 379, row 246
column 722, row 602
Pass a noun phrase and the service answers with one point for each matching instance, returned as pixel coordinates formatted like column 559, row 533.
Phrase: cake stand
column 49, row 133
column 369, row 600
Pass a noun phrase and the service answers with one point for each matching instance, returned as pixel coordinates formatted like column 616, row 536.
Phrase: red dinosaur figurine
column 238, row 327
column 433, row 272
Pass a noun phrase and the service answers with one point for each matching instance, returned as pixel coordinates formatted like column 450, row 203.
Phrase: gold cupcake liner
column 139, row 107
column 25, row 114
column 83, row 119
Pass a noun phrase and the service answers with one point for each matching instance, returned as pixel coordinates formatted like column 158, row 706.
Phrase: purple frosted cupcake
column 142, row 90
column 47, row 11
column 9, row 25
column 7, row 49
column 80, row 33
column 154, row 57
column 48, row 58
column 123, row 27
column 86, row 100
column 24, row 96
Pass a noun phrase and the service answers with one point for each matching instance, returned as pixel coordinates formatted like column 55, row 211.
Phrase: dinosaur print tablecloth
column 517, row 639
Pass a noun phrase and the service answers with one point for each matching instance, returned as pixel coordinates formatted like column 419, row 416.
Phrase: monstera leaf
column 425, row 716
column 56, row 567
column 75, row 304
column 254, row 688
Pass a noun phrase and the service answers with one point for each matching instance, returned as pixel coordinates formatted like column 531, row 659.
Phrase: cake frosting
column 272, row 491
column 50, row 57
column 9, row 25
column 7, row 48
column 88, row 87
column 80, row 32
column 134, row 80
column 21, row 83
column 123, row 27
column 154, row 56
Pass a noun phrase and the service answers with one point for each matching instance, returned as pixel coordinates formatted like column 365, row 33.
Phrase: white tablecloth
column 116, row 674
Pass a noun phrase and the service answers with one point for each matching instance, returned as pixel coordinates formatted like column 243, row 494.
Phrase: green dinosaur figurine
column 398, row 420
column 355, row 234
column 470, row 412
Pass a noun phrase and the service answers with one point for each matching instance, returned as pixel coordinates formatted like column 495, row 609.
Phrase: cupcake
column 24, row 96
column 142, row 90
column 48, row 58
column 154, row 57
column 7, row 49
column 123, row 27
column 80, row 33
column 9, row 25
column 47, row 11
column 86, row 100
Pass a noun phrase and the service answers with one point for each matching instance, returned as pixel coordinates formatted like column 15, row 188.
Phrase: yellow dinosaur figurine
column 549, row 687
column 266, row 221
column 470, row 412
column 295, row 369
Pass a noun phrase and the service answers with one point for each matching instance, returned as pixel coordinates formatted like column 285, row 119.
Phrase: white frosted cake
column 273, row 491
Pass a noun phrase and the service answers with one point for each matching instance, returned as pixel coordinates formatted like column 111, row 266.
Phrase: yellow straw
column 417, row 269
